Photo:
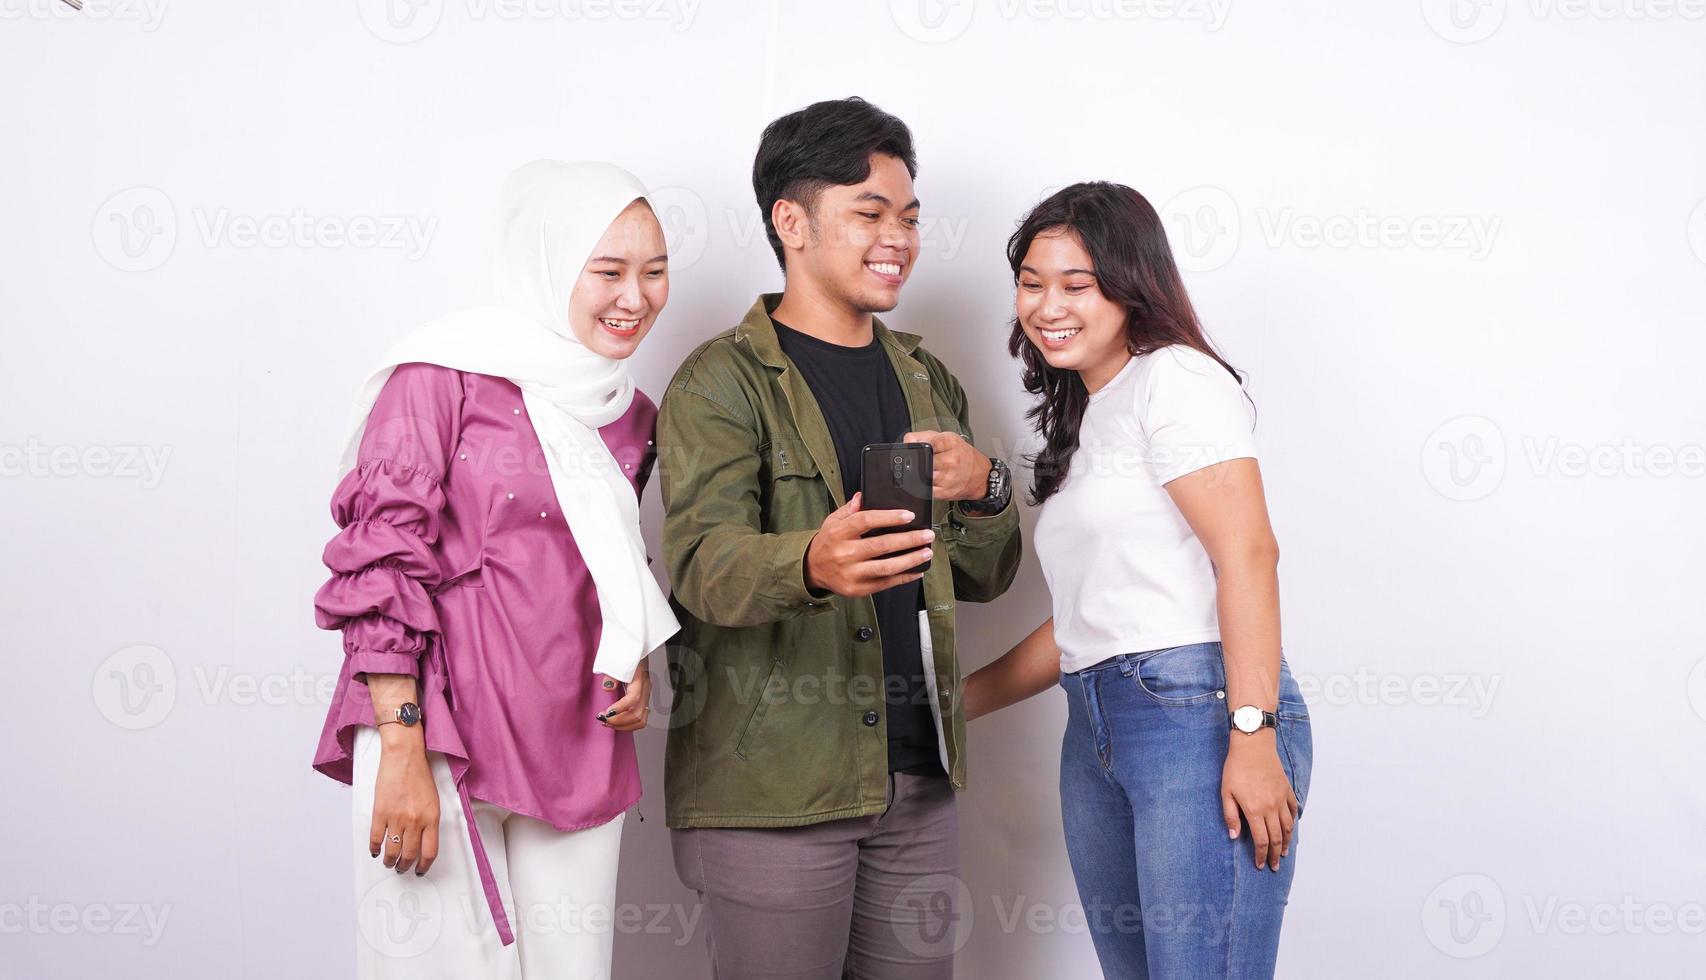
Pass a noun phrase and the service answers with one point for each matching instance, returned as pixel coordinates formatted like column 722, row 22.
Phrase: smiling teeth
column 1057, row 336
column 886, row 268
column 619, row 324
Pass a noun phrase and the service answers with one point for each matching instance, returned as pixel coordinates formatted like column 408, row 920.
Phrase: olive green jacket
column 778, row 714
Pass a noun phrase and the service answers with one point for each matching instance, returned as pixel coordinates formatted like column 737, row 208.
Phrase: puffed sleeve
column 383, row 563
column 1193, row 412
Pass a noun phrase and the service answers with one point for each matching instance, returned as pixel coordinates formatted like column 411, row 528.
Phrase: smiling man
column 817, row 735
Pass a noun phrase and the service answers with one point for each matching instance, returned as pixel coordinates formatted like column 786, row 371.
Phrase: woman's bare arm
column 1026, row 670
column 1226, row 507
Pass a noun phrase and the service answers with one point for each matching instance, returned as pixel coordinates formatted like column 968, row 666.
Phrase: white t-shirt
column 1126, row 572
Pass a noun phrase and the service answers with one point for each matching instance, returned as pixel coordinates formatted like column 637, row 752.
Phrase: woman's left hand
column 631, row 710
column 1254, row 782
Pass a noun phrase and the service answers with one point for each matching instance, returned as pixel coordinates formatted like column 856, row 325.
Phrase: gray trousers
column 874, row 897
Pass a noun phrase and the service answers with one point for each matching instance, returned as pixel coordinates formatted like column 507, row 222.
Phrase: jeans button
column 863, row 633
column 870, row 719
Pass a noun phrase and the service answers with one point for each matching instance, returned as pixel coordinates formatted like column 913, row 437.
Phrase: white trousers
column 559, row 889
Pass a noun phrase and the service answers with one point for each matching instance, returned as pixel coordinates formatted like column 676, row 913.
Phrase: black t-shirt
column 861, row 399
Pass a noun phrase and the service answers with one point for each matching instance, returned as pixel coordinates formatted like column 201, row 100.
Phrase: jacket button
column 870, row 719
column 864, row 633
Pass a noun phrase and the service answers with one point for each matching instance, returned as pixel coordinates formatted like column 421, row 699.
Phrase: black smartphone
column 897, row 476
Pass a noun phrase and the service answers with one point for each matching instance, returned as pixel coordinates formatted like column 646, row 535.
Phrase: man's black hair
column 825, row 144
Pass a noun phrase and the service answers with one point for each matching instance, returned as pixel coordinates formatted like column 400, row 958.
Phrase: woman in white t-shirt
column 1187, row 752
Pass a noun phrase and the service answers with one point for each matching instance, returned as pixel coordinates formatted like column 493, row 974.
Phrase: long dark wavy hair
column 1134, row 267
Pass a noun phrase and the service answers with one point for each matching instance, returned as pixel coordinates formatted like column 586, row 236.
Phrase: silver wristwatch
column 1250, row 719
column 1000, row 491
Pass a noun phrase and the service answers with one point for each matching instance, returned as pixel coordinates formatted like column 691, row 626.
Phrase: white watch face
column 1247, row 719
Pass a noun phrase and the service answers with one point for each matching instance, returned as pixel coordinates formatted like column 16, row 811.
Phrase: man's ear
column 791, row 221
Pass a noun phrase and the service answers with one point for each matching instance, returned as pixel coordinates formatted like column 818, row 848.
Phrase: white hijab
column 553, row 217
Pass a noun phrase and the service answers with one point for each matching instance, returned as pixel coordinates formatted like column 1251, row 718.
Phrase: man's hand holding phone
column 840, row 560
column 961, row 472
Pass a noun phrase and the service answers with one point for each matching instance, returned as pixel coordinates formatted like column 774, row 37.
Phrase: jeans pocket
column 1297, row 755
column 1186, row 675
column 1291, row 703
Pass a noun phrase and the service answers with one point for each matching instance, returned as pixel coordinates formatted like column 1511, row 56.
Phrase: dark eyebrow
column 1066, row 272
column 885, row 202
column 619, row 260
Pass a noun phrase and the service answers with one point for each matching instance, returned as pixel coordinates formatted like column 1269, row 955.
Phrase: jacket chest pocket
column 791, row 487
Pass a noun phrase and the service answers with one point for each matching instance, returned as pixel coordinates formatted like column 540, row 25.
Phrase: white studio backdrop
column 1459, row 248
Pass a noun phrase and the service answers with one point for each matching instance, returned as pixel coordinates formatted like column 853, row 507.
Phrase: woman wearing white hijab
column 492, row 588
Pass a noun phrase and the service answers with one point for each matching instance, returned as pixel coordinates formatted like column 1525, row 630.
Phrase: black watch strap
column 1269, row 720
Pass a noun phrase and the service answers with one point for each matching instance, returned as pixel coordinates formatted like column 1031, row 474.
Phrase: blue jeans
column 1166, row 894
